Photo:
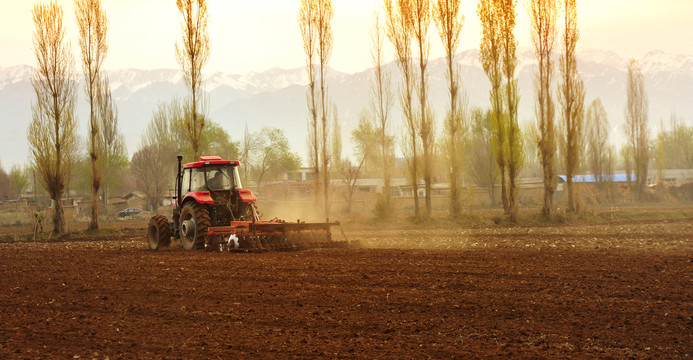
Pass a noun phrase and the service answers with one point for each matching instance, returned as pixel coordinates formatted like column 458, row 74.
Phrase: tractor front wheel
column 158, row 232
column 194, row 221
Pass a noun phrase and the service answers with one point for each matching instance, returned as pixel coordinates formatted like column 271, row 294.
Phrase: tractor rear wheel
column 158, row 232
column 194, row 221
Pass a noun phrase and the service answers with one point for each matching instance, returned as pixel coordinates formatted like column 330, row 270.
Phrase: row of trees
column 13, row 183
column 406, row 26
column 566, row 135
column 674, row 147
column 544, row 16
column 52, row 135
column 179, row 126
column 671, row 149
column 182, row 125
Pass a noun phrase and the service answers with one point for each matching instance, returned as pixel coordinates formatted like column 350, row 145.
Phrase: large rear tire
column 194, row 221
column 158, row 232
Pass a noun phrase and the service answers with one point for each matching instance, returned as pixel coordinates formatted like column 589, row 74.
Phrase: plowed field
column 618, row 291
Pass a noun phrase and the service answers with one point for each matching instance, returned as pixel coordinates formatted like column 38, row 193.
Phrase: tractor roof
column 211, row 160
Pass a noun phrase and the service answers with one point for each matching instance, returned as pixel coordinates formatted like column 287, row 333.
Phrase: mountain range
column 277, row 97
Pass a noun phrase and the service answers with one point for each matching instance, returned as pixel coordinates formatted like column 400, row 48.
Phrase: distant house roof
column 115, row 201
column 137, row 194
column 591, row 179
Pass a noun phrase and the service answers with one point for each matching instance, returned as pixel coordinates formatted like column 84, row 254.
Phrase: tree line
column 60, row 160
column 487, row 146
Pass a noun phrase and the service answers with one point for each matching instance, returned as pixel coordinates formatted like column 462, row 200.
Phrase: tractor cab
column 209, row 192
column 210, row 175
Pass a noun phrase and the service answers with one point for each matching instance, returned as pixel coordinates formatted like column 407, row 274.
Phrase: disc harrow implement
column 273, row 236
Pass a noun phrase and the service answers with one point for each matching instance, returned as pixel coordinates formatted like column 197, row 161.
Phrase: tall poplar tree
column 543, row 14
column 490, row 50
column 93, row 27
column 449, row 21
column 571, row 96
column 636, row 126
column 419, row 19
column 399, row 32
column 192, row 54
column 52, row 134
column 307, row 23
column 325, row 40
column 382, row 106
column 507, row 17
column 114, row 154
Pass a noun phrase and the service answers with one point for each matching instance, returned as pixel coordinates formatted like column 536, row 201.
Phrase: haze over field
column 255, row 74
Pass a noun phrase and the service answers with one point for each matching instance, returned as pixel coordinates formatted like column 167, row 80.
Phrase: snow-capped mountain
column 277, row 97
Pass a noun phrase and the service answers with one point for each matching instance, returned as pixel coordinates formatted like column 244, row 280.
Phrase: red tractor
column 212, row 210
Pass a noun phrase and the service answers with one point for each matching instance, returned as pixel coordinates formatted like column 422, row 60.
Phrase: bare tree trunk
column 414, row 173
column 94, row 153
column 59, row 216
column 504, row 190
column 514, row 166
column 492, row 186
column 325, row 164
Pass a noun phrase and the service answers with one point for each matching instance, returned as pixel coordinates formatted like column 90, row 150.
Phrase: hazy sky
column 263, row 34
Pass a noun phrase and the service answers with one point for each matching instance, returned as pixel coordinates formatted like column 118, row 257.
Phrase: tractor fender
column 201, row 197
column 246, row 196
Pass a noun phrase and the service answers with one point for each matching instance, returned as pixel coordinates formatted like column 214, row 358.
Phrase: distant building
column 615, row 178
column 670, row 177
column 304, row 174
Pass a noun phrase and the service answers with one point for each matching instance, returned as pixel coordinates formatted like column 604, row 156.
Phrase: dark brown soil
column 621, row 291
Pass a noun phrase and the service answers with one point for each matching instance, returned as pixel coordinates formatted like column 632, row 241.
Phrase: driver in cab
column 216, row 183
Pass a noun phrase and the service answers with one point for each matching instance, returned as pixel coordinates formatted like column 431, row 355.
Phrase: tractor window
column 198, row 180
column 211, row 178
column 237, row 178
column 185, row 184
column 219, row 177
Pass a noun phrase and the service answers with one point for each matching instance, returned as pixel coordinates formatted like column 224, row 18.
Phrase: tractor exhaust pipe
column 179, row 177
